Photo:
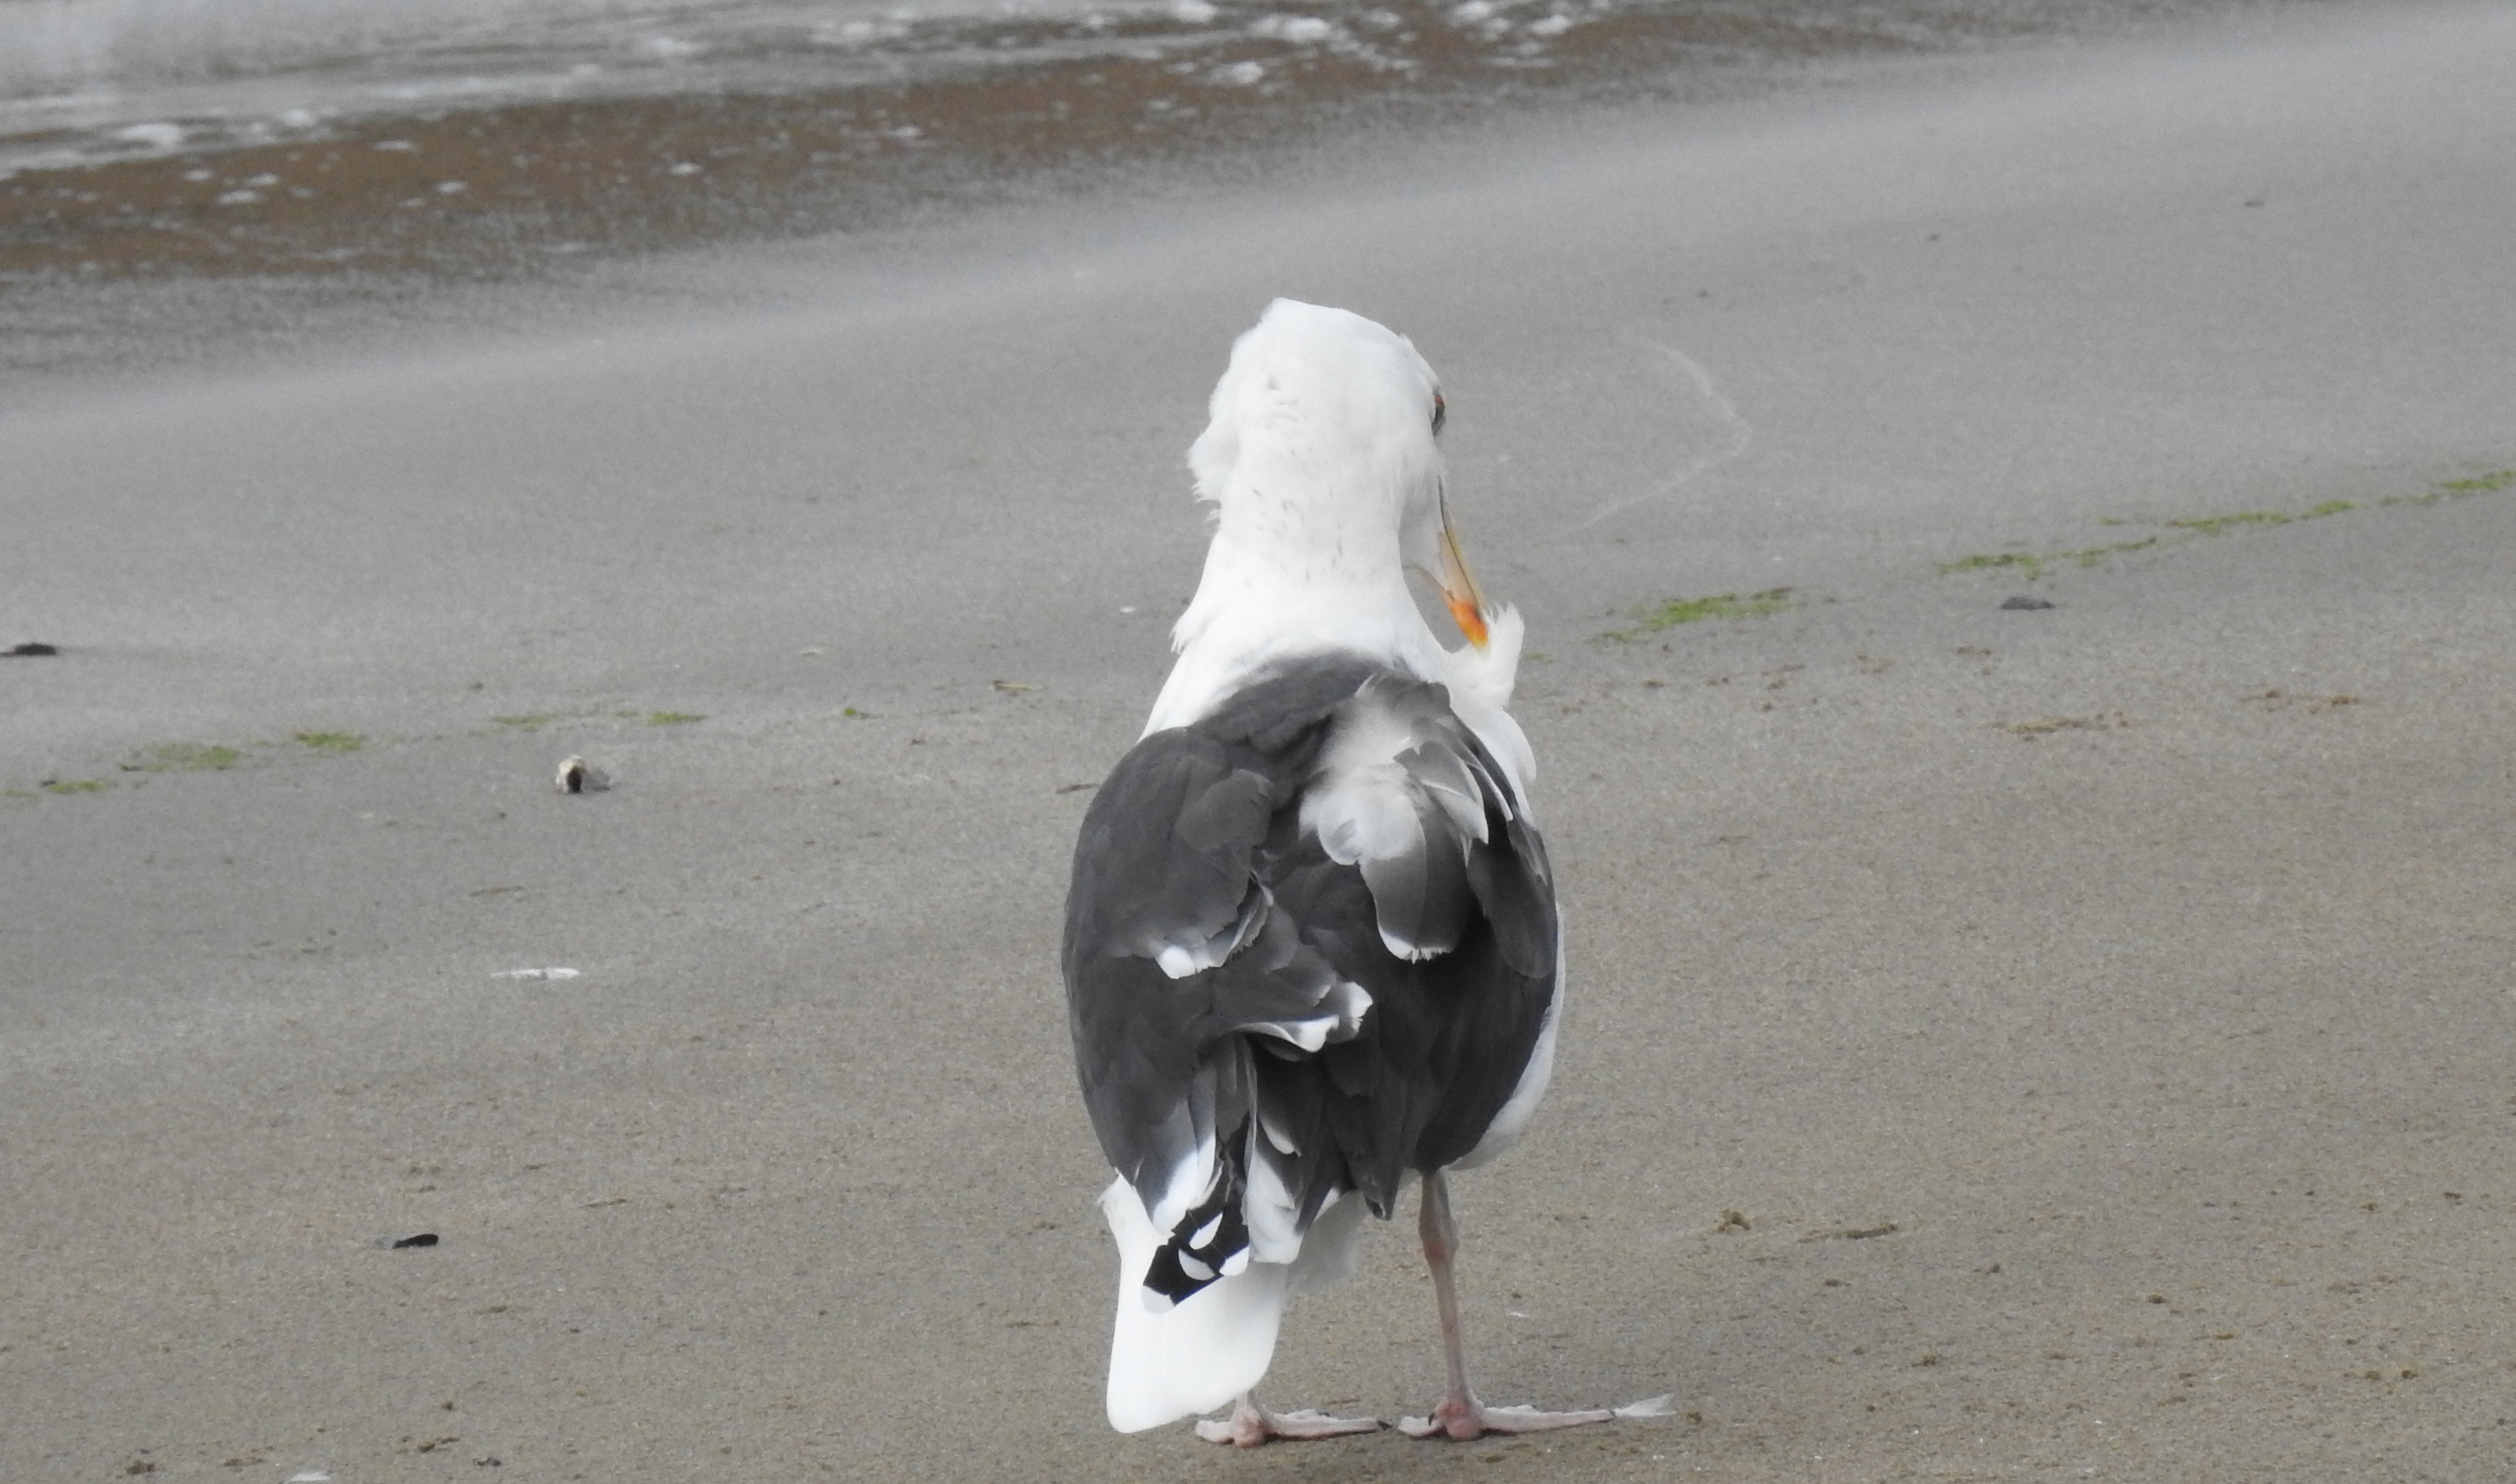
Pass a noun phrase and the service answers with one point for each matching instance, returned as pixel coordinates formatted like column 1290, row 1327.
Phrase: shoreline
column 373, row 222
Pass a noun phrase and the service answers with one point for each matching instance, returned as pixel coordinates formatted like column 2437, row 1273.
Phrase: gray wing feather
column 1345, row 1015
column 1166, row 880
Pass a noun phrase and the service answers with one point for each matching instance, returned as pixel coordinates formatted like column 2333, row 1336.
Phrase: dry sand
column 2098, row 1017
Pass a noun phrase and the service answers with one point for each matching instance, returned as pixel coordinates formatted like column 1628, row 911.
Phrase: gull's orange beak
column 1458, row 589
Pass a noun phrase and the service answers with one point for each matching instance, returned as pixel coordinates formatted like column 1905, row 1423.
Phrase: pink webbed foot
column 1251, row 1425
column 1462, row 1418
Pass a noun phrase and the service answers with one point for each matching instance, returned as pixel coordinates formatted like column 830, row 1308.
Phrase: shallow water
column 185, row 183
column 91, row 80
column 84, row 80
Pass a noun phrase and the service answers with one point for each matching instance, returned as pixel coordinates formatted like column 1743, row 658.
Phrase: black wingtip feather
column 1184, row 1266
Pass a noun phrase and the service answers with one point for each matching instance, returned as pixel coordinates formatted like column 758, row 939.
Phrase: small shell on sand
column 577, row 776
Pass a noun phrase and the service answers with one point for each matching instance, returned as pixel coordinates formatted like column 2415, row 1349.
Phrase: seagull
column 1310, row 949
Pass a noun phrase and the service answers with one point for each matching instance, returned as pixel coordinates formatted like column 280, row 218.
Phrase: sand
column 2058, row 1042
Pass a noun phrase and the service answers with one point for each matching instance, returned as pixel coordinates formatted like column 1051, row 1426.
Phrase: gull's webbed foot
column 1251, row 1425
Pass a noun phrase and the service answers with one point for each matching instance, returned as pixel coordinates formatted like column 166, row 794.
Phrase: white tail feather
column 1196, row 1355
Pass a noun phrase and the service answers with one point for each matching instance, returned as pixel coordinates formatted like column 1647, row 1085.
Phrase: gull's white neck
column 1277, row 587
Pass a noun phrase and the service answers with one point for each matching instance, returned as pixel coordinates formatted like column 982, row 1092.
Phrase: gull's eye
column 1441, row 411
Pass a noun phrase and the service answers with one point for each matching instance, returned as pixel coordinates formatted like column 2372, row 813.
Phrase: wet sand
column 2061, row 1042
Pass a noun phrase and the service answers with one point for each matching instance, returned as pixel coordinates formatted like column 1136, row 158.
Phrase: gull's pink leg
column 1461, row 1415
column 1251, row 1425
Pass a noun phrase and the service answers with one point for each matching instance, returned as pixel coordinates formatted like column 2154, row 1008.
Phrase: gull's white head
column 1319, row 458
column 1321, row 463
